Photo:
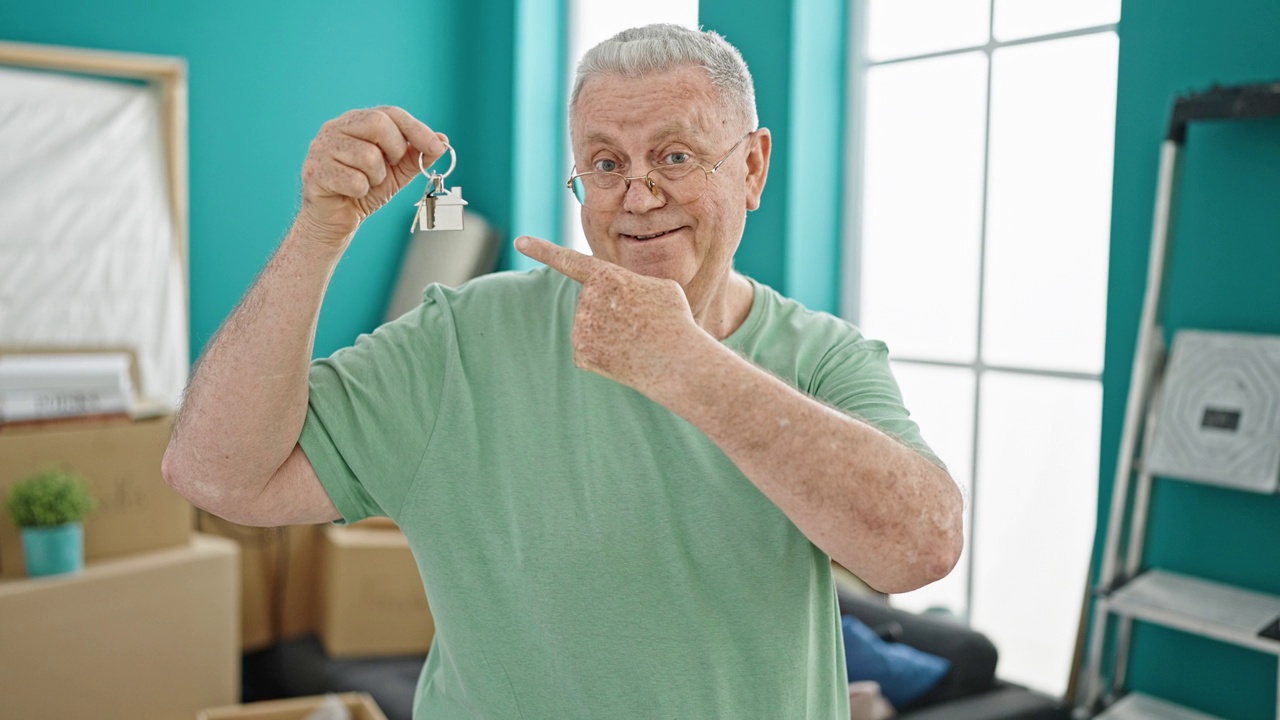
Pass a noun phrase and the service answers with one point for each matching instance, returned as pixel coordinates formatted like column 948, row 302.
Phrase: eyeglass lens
column 605, row 190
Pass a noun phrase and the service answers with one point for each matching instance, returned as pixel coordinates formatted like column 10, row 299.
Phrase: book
column 55, row 385
column 16, row 406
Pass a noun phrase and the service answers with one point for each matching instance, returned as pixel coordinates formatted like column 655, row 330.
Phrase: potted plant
column 49, row 507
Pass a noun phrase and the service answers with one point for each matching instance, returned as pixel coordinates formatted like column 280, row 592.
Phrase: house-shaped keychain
column 441, row 211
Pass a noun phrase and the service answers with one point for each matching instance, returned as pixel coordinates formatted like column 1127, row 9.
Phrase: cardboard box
column 120, row 460
column 279, row 569
column 149, row 636
column 360, row 705
column 377, row 523
column 372, row 601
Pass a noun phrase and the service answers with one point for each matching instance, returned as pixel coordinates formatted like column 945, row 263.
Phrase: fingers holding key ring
column 437, row 178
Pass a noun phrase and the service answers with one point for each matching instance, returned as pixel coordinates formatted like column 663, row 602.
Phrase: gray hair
column 661, row 47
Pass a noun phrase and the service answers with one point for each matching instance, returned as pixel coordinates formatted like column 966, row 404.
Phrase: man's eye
column 606, row 166
column 676, row 158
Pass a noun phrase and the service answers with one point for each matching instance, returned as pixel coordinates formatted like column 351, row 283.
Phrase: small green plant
column 50, row 497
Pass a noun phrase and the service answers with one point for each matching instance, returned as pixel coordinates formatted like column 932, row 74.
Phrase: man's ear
column 761, row 143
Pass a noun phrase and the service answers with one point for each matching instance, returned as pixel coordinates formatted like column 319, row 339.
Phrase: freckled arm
column 874, row 505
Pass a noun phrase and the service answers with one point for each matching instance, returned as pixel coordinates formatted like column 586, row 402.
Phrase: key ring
column 432, row 176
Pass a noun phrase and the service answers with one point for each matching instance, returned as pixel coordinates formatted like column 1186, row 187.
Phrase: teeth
column 648, row 237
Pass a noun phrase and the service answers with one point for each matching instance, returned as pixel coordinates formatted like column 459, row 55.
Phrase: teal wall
column 541, row 134
column 1225, row 275
column 764, row 37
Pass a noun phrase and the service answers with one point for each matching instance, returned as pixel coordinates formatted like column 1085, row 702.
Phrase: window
column 977, row 250
column 591, row 23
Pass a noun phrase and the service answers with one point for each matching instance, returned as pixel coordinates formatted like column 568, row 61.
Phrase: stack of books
column 57, row 385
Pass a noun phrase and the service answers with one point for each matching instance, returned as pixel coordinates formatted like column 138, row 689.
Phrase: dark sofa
column 970, row 690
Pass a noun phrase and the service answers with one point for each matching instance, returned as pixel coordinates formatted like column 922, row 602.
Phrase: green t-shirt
column 586, row 552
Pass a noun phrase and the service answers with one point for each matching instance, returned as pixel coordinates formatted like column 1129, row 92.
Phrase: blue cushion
column 903, row 672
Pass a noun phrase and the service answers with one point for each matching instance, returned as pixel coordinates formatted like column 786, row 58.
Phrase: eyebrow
column 668, row 131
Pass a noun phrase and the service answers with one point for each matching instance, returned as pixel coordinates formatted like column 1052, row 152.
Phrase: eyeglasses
column 600, row 190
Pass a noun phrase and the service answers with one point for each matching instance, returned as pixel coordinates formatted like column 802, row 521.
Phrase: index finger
column 415, row 131
column 568, row 261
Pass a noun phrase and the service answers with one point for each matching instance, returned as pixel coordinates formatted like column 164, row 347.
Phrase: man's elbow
column 174, row 470
column 933, row 555
column 183, row 475
column 927, row 565
column 944, row 556
column 946, row 543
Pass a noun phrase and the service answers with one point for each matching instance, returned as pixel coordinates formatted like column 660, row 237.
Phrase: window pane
column 900, row 28
column 1034, row 505
column 922, row 206
column 591, row 23
column 941, row 402
column 1026, row 18
column 1049, row 212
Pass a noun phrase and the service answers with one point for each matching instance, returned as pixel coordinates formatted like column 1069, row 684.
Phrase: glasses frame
column 649, row 182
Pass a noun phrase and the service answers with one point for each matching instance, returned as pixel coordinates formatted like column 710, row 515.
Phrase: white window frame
column 851, row 286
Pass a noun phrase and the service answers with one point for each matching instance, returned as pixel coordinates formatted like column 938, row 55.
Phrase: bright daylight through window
column 978, row 230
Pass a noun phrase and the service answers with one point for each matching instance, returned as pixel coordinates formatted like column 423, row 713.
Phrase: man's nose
column 642, row 195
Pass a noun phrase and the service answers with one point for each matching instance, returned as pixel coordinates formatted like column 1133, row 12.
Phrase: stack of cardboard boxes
column 356, row 588
column 155, row 625
column 149, row 629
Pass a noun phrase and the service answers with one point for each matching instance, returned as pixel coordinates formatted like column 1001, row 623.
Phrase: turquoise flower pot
column 55, row 550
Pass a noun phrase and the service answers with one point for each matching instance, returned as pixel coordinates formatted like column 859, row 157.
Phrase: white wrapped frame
column 65, row 238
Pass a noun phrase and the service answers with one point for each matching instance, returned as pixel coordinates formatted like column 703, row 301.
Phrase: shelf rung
column 1201, row 607
column 1136, row 706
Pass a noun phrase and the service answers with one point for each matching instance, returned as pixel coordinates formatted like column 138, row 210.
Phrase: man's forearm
column 247, row 399
column 871, row 503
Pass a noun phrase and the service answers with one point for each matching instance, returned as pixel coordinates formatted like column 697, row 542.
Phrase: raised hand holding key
column 356, row 164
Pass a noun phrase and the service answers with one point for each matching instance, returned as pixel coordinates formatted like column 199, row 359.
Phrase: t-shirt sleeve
column 372, row 408
column 855, row 377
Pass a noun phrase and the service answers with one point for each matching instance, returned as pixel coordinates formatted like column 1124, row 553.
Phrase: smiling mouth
column 653, row 236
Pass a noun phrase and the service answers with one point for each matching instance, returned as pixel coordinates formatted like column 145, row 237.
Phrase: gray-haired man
column 624, row 475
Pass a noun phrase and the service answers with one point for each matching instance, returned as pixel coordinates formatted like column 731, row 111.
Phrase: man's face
column 630, row 126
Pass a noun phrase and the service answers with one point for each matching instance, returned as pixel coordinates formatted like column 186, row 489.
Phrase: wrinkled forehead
column 613, row 104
